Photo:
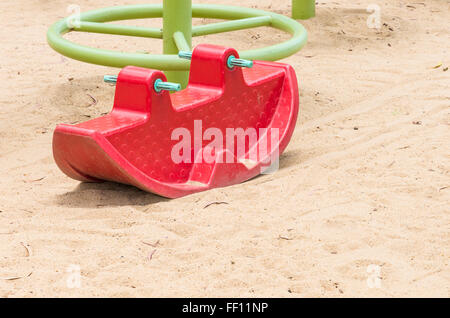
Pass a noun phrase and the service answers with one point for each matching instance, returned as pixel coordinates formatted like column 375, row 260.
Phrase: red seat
column 133, row 144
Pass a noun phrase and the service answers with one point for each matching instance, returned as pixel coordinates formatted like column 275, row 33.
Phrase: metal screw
column 231, row 62
column 158, row 86
column 185, row 55
column 112, row 79
column 166, row 86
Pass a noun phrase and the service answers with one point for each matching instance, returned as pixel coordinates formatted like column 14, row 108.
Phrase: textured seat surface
column 134, row 143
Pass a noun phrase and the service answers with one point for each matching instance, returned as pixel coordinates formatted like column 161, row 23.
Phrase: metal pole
column 303, row 9
column 177, row 17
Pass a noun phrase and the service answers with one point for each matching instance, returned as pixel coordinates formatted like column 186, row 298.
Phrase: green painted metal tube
column 270, row 53
column 107, row 28
column 109, row 57
column 171, row 62
column 303, row 9
column 177, row 17
column 180, row 41
column 234, row 25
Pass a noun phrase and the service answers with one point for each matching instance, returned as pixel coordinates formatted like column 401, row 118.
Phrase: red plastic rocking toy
column 134, row 144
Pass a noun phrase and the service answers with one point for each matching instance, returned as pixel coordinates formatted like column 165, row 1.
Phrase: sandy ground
column 361, row 199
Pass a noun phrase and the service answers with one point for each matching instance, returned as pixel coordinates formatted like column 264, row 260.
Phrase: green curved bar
column 108, row 28
column 171, row 62
column 232, row 25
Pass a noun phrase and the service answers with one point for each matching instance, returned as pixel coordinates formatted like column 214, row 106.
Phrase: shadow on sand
column 94, row 195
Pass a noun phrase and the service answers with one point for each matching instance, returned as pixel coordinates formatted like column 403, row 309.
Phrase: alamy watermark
column 74, row 20
column 374, row 279
column 248, row 146
column 374, row 19
column 74, row 278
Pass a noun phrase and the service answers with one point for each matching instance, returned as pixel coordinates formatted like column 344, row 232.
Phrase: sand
column 359, row 207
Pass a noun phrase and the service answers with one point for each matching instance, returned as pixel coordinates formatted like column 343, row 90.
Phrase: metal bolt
column 185, row 55
column 158, row 86
column 110, row 79
column 166, row 86
column 231, row 62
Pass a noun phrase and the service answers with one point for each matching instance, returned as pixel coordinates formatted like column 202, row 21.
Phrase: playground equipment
column 177, row 33
column 134, row 143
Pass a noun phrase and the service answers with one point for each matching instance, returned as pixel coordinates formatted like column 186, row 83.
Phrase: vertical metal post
column 303, row 9
column 177, row 17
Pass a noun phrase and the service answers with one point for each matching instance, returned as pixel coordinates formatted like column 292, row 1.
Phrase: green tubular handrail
column 95, row 27
column 231, row 25
column 92, row 21
column 180, row 42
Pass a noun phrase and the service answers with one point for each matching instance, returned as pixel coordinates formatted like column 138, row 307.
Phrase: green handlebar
column 177, row 32
column 171, row 62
